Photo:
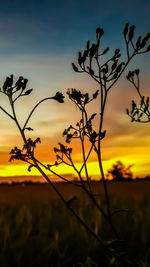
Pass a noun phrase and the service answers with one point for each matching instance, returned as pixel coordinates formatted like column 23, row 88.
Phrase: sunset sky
column 39, row 40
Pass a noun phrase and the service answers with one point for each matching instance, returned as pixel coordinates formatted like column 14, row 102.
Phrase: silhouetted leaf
column 115, row 75
column 93, row 50
column 138, row 43
column 65, row 132
column 99, row 32
column 119, row 67
column 92, row 116
column 24, row 84
column 145, row 109
column 28, row 92
column 37, row 140
column 114, row 65
column 145, row 40
column 91, row 72
column 135, row 113
column 80, row 61
column 95, row 94
column 85, row 54
column 86, row 98
column 131, row 32
column 125, row 31
column 93, row 136
column 19, row 81
column 75, row 68
column 147, row 101
column 6, row 83
column 102, row 135
column 30, row 166
column 29, row 129
column 56, row 149
column 73, row 198
column 105, row 51
column 117, row 51
column 137, row 71
column 88, row 45
column 148, row 49
column 142, row 101
column 141, row 115
column 105, row 69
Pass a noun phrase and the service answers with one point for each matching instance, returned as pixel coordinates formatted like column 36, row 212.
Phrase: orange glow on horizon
column 139, row 169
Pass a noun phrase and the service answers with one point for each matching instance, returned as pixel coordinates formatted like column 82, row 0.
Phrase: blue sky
column 63, row 26
column 40, row 39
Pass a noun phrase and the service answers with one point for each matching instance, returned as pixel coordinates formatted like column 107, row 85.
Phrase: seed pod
column 131, row 32
column 142, row 101
column 147, row 101
column 137, row 71
column 115, row 75
column 28, row 92
column 117, row 51
column 133, row 104
column 114, row 65
column 99, row 32
column 80, row 61
column 140, row 115
column 74, row 67
column 11, row 80
column 18, row 82
column 24, row 84
column 148, row 49
column 95, row 94
column 93, row 50
column 119, row 67
column 129, row 75
column 125, row 31
column 105, row 51
column 84, row 56
column 138, row 43
column 88, row 45
column 145, row 40
column 91, row 71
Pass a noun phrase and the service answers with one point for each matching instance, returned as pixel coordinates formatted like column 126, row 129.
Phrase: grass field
column 36, row 229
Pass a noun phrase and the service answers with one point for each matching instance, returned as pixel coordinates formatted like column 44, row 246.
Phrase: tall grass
column 36, row 233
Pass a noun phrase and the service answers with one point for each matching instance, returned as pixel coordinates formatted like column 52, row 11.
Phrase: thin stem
column 53, row 186
column 86, row 158
column 127, row 47
column 129, row 59
column 18, row 96
column 58, row 175
column 68, row 206
column 7, row 113
column 83, row 153
column 34, row 110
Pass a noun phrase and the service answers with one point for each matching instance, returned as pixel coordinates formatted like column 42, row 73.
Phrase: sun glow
column 140, row 167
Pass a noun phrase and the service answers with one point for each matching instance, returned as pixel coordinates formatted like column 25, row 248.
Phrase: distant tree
column 119, row 172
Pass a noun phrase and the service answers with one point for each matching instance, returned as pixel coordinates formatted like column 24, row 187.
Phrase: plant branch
column 34, row 110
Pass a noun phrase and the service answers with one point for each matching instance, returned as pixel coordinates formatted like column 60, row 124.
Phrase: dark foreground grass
column 38, row 231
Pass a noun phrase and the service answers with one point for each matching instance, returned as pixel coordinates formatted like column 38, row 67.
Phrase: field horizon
column 43, row 191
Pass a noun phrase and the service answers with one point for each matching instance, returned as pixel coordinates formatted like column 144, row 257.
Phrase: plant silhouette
column 139, row 113
column 106, row 73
